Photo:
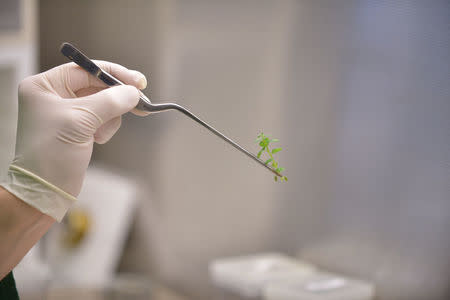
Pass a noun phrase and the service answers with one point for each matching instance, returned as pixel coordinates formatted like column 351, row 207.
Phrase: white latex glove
column 62, row 112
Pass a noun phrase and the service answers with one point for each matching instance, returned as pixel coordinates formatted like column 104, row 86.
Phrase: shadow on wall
column 388, row 215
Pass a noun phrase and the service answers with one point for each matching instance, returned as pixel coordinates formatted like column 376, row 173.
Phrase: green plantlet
column 264, row 142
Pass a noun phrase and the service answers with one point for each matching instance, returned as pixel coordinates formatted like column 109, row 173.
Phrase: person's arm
column 62, row 113
column 21, row 226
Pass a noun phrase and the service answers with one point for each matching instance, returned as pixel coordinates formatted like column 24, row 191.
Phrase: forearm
column 21, row 226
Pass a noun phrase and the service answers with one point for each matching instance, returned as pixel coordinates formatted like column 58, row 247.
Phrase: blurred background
column 358, row 92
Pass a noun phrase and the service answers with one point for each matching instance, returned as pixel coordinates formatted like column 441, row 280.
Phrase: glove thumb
column 111, row 102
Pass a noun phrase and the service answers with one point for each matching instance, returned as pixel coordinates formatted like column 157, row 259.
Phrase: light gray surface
column 357, row 92
column 8, row 118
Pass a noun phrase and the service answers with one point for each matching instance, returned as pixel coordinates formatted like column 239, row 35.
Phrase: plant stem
column 270, row 154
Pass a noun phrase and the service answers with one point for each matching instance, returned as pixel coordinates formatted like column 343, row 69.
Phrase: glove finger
column 130, row 77
column 92, row 90
column 140, row 113
column 107, row 130
column 66, row 80
column 109, row 103
column 88, row 91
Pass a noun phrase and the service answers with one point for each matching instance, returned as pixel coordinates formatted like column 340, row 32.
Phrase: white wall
column 311, row 73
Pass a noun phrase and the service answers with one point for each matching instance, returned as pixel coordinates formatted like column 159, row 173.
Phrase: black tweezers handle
column 75, row 55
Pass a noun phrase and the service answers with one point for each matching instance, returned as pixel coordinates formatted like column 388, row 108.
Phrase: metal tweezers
column 145, row 104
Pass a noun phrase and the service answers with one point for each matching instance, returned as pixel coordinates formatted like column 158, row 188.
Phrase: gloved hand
column 62, row 112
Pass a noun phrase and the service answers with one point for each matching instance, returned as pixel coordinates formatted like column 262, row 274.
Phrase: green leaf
column 274, row 164
column 260, row 152
column 285, row 178
column 265, row 142
column 279, row 170
column 276, row 150
column 275, row 177
column 268, row 161
column 274, row 140
column 260, row 137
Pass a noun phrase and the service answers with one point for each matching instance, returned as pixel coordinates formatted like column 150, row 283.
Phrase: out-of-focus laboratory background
column 358, row 92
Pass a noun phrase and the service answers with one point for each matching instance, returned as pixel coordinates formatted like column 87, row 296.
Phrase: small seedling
column 264, row 142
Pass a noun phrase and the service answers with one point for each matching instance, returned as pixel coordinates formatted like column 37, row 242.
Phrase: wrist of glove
column 62, row 112
column 38, row 193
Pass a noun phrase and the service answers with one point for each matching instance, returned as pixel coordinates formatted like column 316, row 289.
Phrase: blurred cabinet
column 17, row 60
column 18, row 40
